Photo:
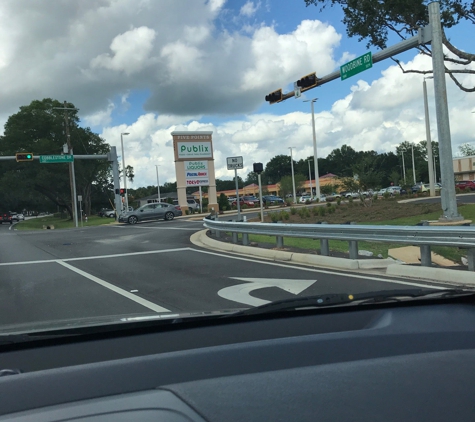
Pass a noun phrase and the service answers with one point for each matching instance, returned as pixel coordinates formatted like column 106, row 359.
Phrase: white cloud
column 249, row 9
column 130, row 51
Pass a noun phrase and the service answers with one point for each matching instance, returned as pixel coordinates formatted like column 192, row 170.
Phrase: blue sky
column 147, row 68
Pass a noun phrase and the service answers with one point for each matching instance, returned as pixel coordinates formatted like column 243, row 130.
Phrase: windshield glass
column 174, row 158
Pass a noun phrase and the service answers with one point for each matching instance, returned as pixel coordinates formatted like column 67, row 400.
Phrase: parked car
column 250, row 201
column 304, row 198
column 5, row 217
column 463, row 184
column 272, row 199
column 17, row 217
column 192, row 204
column 154, row 211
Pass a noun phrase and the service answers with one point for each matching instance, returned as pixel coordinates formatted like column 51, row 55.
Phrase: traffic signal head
column 307, row 82
column 123, row 191
column 274, row 97
column 258, row 168
column 24, row 156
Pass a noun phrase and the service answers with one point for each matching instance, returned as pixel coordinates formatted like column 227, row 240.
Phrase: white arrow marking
column 240, row 292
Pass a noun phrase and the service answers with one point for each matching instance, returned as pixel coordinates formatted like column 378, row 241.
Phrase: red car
column 463, row 184
column 250, row 201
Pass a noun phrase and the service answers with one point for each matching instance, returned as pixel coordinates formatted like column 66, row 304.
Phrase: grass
column 60, row 223
column 408, row 214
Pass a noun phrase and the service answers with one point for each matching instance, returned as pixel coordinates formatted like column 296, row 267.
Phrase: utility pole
column 72, row 179
column 430, row 161
column 293, row 177
column 413, row 165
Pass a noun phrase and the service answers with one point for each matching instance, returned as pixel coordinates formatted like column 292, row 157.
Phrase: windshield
column 164, row 159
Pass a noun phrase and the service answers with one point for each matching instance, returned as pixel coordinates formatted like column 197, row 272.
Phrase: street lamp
column 317, row 180
column 158, row 183
column 125, row 173
column 293, row 177
column 432, row 177
column 310, row 178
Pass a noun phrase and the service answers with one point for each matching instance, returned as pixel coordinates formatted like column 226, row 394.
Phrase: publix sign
column 194, row 149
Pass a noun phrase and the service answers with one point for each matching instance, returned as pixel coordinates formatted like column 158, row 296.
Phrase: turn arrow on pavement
column 240, row 292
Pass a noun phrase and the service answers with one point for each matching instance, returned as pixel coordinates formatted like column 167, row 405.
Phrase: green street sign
column 356, row 66
column 49, row 159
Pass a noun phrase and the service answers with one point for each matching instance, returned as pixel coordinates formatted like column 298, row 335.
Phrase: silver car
column 153, row 211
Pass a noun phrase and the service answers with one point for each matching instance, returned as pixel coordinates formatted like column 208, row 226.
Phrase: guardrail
column 422, row 236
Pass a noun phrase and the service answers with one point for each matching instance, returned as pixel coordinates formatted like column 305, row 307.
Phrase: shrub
column 293, row 210
column 331, row 209
column 284, row 215
column 274, row 217
column 386, row 195
column 467, row 190
column 288, row 202
column 328, row 205
column 338, row 201
column 315, row 210
column 375, row 197
column 321, row 211
column 244, row 207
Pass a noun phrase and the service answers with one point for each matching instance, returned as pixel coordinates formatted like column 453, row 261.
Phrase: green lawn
column 40, row 223
column 454, row 254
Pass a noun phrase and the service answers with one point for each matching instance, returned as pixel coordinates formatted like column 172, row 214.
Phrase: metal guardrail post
column 353, row 249
column 235, row 237
column 426, row 260
column 324, row 246
column 471, row 259
column 245, row 236
column 280, row 241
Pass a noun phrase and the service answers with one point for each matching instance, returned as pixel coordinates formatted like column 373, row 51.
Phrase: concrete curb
column 432, row 274
column 201, row 239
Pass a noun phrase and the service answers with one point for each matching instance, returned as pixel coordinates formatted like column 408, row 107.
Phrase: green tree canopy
column 39, row 128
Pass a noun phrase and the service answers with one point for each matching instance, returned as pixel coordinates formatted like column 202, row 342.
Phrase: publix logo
column 194, row 149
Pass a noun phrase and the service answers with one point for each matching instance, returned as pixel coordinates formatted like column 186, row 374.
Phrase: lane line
column 125, row 293
column 85, row 258
column 314, row 270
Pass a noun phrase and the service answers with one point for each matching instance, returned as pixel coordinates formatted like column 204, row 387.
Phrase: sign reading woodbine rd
column 356, row 66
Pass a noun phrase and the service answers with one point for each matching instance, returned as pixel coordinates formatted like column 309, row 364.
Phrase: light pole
column 432, row 178
column 125, row 173
column 293, row 177
column 413, row 165
column 158, row 183
column 403, row 167
column 310, row 178
column 317, row 180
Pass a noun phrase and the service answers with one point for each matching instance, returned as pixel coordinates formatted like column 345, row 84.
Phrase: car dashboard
column 409, row 362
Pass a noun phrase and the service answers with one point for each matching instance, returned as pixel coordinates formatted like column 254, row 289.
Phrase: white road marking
column 352, row 275
column 240, row 292
column 85, row 258
column 139, row 300
column 133, row 291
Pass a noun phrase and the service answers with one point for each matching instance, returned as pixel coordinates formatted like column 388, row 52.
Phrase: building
column 464, row 168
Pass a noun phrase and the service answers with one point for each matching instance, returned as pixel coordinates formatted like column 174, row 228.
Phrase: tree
column 276, row 169
column 467, row 150
column 341, row 160
column 374, row 20
column 38, row 128
column 286, row 185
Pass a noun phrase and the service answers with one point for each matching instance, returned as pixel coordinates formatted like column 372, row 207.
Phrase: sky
column 151, row 67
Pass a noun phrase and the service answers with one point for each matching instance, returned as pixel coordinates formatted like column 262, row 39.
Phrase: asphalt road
column 461, row 199
column 148, row 268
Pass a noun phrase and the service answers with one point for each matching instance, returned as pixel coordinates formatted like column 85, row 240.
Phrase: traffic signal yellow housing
column 274, row 97
column 24, row 156
column 307, row 82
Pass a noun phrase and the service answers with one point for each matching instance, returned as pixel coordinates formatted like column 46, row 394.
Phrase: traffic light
column 274, row 97
column 307, row 82
column 24, row 156
column 123, row 191
column 258, row 168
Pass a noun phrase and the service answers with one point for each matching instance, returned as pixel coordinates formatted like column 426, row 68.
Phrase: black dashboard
column 387, row 363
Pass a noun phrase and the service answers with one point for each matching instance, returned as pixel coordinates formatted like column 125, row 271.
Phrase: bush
column 288, row 202
column 331, row 209
column 468, row 190
column 293, row 210
column 375, row 197
column 328, row 205
column 321, row 211
column 386, row 195
column 284, row 215
column 315, row 210
column 274, row 217
column 244, row 207
column 338, row 201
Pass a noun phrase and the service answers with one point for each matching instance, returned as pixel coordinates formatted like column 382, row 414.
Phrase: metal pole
column 315, row 160
column 403, row 167
column 430, row 164
column 80, row 210
column 201, row 200
column 413, row 165
column 124, row 170
column 158, row 184
column 260, row 197
column 75, row 199
column 237, row 195
column 448, row 198
column 435, row 170
column 310, row 179
column 115, row 177
column 293, row 177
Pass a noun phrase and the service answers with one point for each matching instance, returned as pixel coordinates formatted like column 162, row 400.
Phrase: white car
column 304, row 199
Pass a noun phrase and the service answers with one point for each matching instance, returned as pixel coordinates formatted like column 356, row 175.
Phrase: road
column 143, row 269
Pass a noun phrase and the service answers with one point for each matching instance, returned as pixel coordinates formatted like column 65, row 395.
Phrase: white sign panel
column 234, row 163
column 194, row 150
column 196, row 173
